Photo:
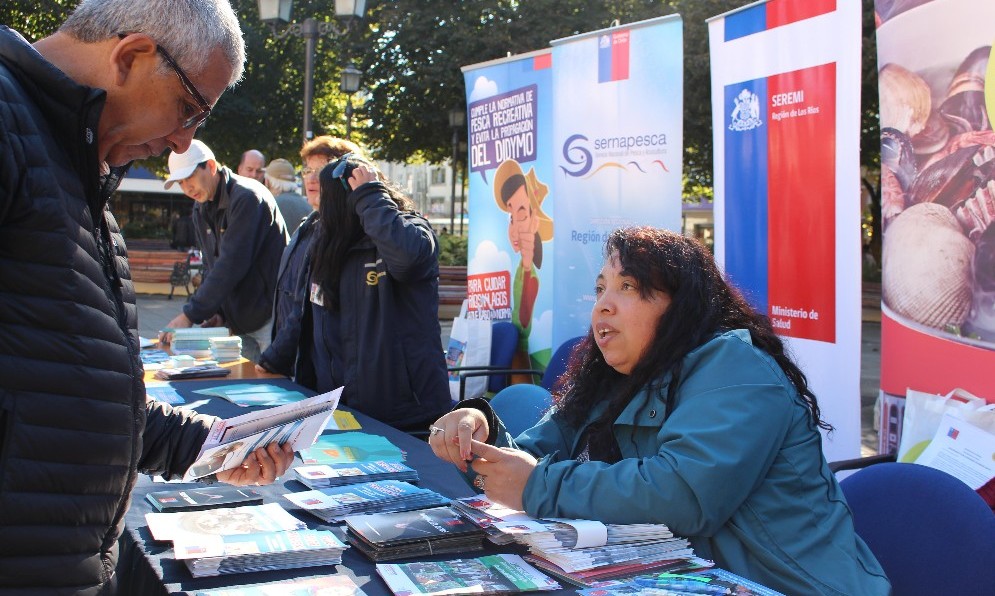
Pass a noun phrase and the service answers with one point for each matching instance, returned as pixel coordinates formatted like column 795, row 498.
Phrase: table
column 241, row 369
column 148, row 568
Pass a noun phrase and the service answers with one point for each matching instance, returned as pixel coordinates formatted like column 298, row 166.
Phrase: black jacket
column 75, row 426
column 288, row 302
column 241, row 236
column 384, row 344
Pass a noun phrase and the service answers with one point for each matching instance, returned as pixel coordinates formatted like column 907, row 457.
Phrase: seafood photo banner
column 618, row 146
column 786, row 123
column 937, row 201
column 509, row 252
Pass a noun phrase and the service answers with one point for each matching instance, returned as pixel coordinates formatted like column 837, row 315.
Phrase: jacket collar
column 72, row 110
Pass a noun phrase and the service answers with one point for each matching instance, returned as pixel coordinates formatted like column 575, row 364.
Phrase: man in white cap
column 282, row 182
column 241, row 235
column 120, row 80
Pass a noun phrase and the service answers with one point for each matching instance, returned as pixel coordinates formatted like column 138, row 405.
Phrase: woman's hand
column 361, row 174
column 502, row 473
column 263, row 466
column 450, row 436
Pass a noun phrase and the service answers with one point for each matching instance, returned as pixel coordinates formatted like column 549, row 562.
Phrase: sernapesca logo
column 580, row 159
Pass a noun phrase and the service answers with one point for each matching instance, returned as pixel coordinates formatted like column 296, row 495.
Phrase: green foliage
column 452, row 249
column 145, row 229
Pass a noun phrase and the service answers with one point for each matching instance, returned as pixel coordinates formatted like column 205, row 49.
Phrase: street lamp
column 277, row 12
column 457, row 118
column 349, row 85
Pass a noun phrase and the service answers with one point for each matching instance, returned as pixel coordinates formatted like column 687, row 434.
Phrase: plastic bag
column 469, row 346
column 923, row 412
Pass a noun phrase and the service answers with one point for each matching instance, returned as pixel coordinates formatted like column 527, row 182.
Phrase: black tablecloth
column 147, row 567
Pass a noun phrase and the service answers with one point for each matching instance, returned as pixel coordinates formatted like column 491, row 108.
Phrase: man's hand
column 180, row 322
column 503, row 473
column 262, row 466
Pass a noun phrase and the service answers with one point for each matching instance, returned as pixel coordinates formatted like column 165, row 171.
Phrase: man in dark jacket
column 241, row 235
column 76, row 428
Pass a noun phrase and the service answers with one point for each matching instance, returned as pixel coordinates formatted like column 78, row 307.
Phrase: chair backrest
column 558, row 363
column 931, row 533
column 504, row 343
column 520, row 406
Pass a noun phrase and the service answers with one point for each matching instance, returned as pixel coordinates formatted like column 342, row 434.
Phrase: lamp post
column 349, row 84
column 457, row 117
column 277, row 12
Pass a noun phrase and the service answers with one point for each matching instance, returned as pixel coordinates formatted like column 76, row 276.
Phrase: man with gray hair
column 120, row 80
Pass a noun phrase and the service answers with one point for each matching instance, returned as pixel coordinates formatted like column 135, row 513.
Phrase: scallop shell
column 905, row 99
column 927, row 266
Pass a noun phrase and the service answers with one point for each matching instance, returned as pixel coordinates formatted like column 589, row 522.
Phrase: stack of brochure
column 387, row 536
column 581, row 551
column 485, row 513
column 195, row 341
column 351, row 447
column 208, row 555
column 225, row 521
column 323, row 585
column 494, row 574
column 711, row 581
column 226, row 349
column 333, row 503
column 324, row 476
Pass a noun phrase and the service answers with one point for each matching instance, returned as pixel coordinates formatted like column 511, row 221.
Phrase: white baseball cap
column 181, row 165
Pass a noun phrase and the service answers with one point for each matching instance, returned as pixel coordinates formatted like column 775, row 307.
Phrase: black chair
column 180, row 277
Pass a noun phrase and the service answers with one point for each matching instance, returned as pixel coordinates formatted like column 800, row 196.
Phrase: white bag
column 923, row 412
column 469, row 345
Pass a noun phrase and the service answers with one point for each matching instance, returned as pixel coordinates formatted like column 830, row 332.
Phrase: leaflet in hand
column 231, row 441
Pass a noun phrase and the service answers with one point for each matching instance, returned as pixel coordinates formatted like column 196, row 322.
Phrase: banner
column 509, row 253
column 618, row 143
column 937, row 199
column 786, row 122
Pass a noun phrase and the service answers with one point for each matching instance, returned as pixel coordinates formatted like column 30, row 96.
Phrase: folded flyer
column 231, row 440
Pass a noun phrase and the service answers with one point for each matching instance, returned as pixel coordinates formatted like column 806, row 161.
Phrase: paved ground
column 155, row 311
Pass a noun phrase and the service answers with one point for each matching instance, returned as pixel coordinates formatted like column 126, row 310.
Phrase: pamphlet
column 231, row 441
column 962, row 450
column 494, row 574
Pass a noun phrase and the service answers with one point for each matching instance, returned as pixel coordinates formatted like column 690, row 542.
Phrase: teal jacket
column 737, row 468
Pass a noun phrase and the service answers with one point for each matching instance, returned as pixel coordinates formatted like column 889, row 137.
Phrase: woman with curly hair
column 681, row 407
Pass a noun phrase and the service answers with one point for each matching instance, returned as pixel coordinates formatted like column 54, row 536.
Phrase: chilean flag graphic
column 613, row 56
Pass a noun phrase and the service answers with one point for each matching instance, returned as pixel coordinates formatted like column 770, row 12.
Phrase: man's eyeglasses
column 205, row 108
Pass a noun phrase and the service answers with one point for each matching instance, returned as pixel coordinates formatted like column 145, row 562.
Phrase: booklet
column 325, row 585
column 494, row 574
column 386, row 536
column 710, row 581
column 231, row 441
column 209, row 497
column 207, row 556
column 323, row 476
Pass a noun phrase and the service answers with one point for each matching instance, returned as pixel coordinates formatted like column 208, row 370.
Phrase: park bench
column 452, row 290
column 154, row 266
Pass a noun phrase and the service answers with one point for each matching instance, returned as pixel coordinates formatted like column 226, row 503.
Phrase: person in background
column 371, row 321
column 120, row 80
column 681, row 407
column 183, row 234
column 288, row 303
column 252, row 165
column 241, row 235
column 281, row 181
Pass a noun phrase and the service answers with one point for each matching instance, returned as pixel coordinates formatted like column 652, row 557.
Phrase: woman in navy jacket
column 371, row 322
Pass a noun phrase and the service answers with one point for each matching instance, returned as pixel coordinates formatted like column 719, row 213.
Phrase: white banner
column 786, row 123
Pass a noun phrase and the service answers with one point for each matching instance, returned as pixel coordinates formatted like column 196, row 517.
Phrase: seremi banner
column 786, row 120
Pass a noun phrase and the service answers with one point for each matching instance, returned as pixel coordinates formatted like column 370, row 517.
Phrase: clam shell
column 905, row 99
column 927, row 266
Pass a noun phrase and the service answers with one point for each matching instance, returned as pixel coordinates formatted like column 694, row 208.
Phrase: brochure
column 326, row 585
column 226, row 521
column 351, row 447
column 494, row 574
column 230, row 441
column 208, row 497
